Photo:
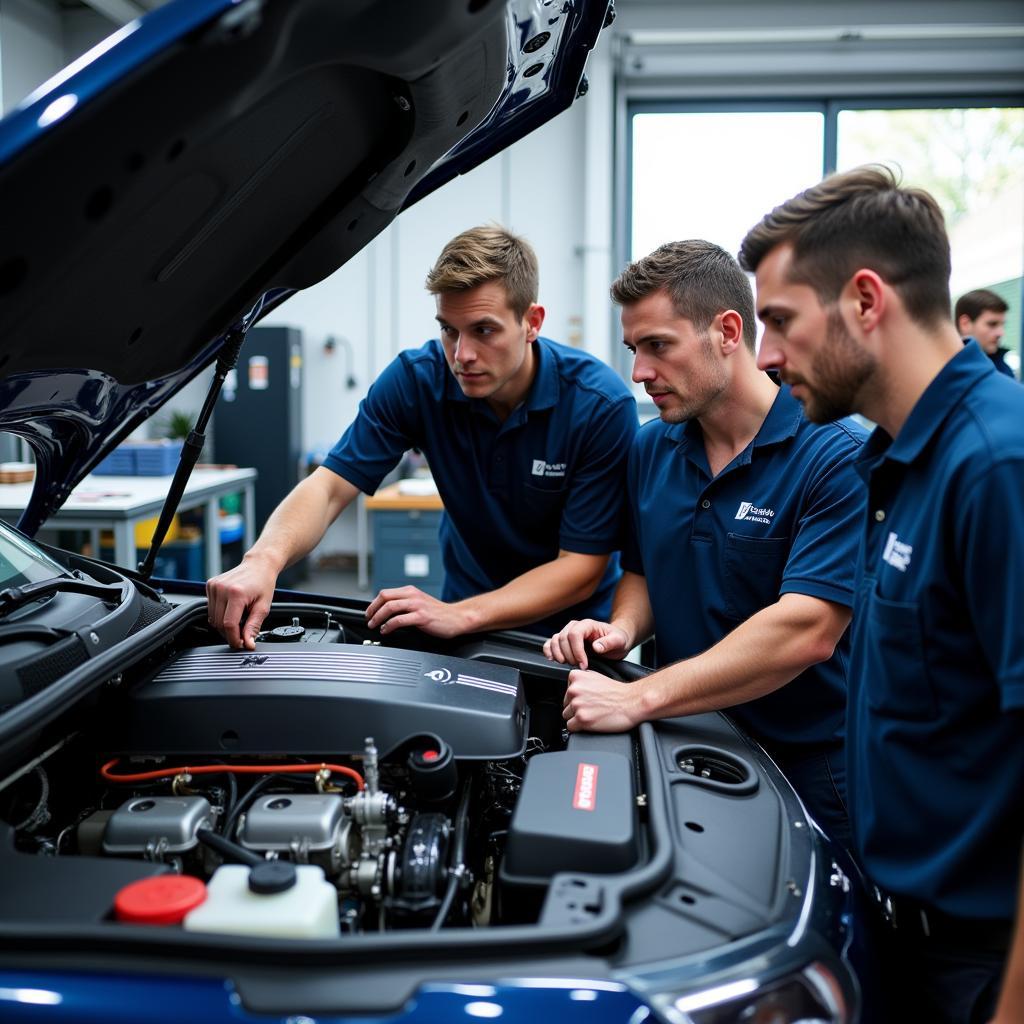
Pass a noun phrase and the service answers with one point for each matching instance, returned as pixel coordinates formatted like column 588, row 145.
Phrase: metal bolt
column 93, row 638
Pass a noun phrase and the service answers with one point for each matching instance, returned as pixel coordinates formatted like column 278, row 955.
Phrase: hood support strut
column 226, row 361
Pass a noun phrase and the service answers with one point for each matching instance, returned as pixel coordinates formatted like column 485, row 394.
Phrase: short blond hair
column 483, row 254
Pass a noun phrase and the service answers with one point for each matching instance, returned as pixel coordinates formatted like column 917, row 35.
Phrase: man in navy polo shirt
column 742, row 546
column 853, row 289
column 526, row 439
column 980, row 316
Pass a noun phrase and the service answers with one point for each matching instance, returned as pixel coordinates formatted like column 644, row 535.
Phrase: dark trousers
column 819, row 777
column 941, row 981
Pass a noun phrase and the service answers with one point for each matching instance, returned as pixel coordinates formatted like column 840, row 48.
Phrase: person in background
column 853, row 290
column 527, row 441
column 981, row 316
column 741, row 548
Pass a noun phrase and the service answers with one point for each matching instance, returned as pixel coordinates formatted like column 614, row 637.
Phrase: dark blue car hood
column 212, row 158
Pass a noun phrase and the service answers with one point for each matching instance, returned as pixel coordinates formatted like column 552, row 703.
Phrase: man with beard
column 853, row 289
column 740, row 554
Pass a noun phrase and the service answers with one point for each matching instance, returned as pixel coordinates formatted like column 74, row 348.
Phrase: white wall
column 37, row 39
column 82, row 29
column 378, row 302
column 32, row 47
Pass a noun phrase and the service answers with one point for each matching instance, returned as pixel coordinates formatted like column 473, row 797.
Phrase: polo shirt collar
column 781, row 423
column 944, row 393
column 543, row 393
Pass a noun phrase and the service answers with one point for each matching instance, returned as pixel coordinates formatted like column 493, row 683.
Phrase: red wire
column 234, row 769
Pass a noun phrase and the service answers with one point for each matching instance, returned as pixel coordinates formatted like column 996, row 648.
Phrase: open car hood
column 205, row 162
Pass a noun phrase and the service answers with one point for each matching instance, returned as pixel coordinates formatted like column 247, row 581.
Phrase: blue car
column 333, row 827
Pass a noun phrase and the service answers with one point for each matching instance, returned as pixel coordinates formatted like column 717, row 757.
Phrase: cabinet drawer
column 384, row 535
column 408, row 562
column 412, row 517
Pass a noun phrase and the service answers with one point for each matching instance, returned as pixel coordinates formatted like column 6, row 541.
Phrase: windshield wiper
column 13, row 597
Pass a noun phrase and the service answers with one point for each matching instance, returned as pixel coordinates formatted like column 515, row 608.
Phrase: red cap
column 163, row 899
column 430, row 755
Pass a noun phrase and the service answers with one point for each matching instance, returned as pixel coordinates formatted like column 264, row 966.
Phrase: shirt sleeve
column 592, row 517
column 823, row 556
column 991, row 542
column 383, row 430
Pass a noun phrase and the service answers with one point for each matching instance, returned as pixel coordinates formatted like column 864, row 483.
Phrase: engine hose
column 458, row 869
column 107, row 771
column 240, row 805
column 231, row 797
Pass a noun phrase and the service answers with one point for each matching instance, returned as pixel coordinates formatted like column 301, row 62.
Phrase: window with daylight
column 712, row 171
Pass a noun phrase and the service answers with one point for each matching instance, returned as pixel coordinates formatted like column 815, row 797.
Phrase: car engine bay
column 346, row 805
column 329, row 787
column 420, row 789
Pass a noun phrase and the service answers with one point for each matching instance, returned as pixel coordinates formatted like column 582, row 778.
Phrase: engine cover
column 314, row 699
column 576, row 812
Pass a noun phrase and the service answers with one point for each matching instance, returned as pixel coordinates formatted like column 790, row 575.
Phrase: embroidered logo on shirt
column 896, row 553
column 753, row 514
column 542, row 468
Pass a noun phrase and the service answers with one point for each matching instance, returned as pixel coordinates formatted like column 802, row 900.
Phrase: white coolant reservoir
column 308, row 910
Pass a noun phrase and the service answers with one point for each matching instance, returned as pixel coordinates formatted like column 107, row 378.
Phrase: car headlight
column 812, row 996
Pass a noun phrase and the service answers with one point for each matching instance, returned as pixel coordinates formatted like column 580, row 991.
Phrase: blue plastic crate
column 184, row 560
column 141, row 458
column 120, row 462
column 158, row 458
column 232, row 528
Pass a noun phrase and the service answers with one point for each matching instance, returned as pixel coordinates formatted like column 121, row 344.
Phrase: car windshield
column 22, row 562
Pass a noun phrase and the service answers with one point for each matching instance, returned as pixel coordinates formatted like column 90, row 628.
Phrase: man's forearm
column 543, row 591
column 631, row 608
column 298, row 524
column 760, row 655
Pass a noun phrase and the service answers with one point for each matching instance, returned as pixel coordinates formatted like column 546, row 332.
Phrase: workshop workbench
column 118, row 503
